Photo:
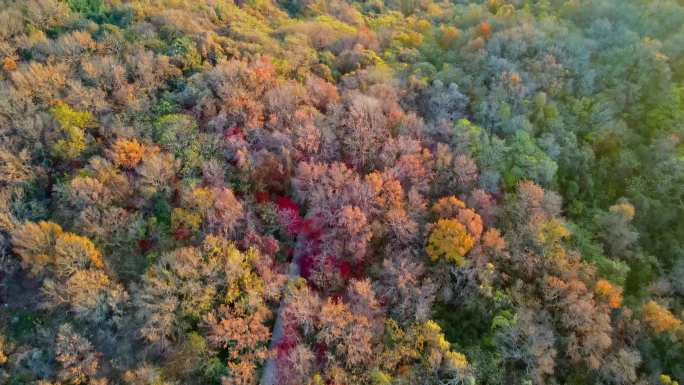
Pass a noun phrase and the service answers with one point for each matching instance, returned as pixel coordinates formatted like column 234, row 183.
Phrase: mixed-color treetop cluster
column 331, row 192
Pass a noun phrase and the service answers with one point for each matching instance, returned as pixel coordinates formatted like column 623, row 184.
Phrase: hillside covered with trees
column 337, row 192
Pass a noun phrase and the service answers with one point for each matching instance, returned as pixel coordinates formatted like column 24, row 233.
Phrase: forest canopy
column 341, row 192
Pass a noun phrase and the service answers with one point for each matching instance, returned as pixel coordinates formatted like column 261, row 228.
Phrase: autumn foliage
column 659, row 317
column 341, row 192
column 485, row 29
column 449, row 241
column 611, row 294
column 9, row 64
column 127, row 153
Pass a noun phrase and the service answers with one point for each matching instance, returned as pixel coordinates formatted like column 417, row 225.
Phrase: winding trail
column 308, row 239
column 268, row 377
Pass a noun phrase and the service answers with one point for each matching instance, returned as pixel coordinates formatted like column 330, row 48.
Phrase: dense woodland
column 329, row 192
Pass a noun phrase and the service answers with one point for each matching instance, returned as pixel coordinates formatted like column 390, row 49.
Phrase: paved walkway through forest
column 268, row 377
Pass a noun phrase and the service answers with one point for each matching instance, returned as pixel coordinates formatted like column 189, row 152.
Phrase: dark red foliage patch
column 181, row 234
column 145, row 245
column 287, row 342
column 233, row 132
column 306, row 265
column 262, row 197
column 320, row 349
column 286, row 203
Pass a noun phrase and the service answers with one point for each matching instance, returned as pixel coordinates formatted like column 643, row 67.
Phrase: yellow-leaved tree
column 72, row 124
column 72, row 271
column 659, row 317
column 449, row 241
